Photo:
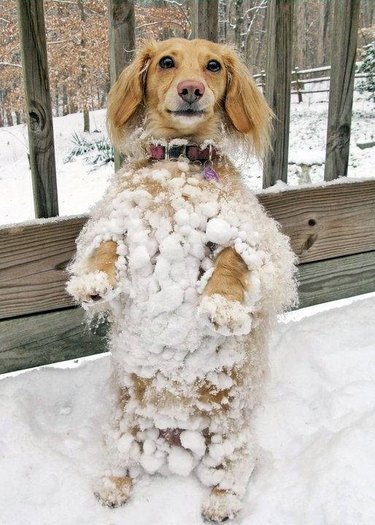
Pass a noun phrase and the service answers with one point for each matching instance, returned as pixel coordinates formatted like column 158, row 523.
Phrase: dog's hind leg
column 114, row 487
column 228, row 480
column 113, row 491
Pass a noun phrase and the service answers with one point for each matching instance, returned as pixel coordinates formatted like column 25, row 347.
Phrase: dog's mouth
column 188, row 112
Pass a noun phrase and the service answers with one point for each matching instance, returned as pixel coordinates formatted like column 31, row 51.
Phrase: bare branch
column 159, row 23
column 180, row 6
column 10, row 64
column 63, row 2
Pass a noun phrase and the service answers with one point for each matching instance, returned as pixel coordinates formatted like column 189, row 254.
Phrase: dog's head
column 186, row 89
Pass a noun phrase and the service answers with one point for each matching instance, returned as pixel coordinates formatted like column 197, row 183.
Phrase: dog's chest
column 174, row 224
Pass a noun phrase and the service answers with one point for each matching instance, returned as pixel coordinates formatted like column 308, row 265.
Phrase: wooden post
column 344, row 44
column 193, row 6
column 278, row 86
column 263, row 80
column 208, row 19
column 38, row 104
column 122, row 43
column 299, row 86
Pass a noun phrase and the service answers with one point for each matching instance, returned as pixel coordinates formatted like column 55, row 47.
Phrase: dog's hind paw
column 113, row 491
column 221, row 506
column 225, row 317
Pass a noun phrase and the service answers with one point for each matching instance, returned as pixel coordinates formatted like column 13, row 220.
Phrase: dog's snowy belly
column 171, row 361
column 170, row 243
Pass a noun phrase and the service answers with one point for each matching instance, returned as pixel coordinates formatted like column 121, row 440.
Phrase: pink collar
column 192, row 152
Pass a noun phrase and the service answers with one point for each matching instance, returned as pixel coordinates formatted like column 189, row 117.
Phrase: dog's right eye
column 166, row 62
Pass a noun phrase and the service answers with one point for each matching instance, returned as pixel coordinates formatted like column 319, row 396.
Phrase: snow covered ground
column 316, row 431
column 79, row 187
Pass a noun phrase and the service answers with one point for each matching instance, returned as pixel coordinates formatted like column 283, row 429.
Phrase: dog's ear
column 245, row 106
column 126, row 96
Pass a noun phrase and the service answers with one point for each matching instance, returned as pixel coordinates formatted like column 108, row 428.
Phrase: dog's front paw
column 113, row 491
column 224, row 316
column 89, row 287
column 221, row 506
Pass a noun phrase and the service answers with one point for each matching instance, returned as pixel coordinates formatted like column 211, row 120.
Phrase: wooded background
column 78, row 54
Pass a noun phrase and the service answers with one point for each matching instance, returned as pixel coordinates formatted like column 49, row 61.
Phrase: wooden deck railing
column 329, row 223
column 332, row 228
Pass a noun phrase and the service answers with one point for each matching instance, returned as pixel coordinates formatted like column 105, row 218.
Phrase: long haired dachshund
column 190, row 270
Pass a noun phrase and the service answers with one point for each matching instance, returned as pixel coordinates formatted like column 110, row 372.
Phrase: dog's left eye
column 166, row 62
column 214, row 66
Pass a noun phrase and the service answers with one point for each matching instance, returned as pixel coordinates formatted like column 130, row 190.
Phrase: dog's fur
column 235, row 293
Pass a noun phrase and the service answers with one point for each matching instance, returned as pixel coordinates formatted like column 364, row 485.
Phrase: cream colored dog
column 190, row 269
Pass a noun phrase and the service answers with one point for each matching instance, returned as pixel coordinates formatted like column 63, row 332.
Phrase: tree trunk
column 327, row 33
column 83, row 79
column 86, row 121
column 230, row 20
column 65, row 108
column 9, row 118
column 239, row 39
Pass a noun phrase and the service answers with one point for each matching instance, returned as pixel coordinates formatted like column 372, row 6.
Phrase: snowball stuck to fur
column 218, row 231
column 124, row 443
column 180, row 461
column 139, row 258
column 151, row 463
column 193, row 441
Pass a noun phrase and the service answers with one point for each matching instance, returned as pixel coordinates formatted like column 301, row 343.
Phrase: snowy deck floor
column 316, row 430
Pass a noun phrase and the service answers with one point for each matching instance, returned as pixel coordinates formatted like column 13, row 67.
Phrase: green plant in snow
column 96, row 152
column 368, row 66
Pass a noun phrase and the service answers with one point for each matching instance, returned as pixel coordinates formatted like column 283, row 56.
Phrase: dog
column 190, row 269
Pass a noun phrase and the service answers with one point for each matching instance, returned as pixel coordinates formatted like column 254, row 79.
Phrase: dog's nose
column 190, row 90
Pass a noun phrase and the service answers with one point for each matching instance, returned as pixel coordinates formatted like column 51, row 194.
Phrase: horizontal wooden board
column 322, row 222
column 336, row 278
column 47, row 338
column 42, row 339
column 328, row 221
column 32, row 265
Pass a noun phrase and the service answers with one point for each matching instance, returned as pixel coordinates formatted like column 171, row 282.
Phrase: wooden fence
column 303, row 77
column 332, row 228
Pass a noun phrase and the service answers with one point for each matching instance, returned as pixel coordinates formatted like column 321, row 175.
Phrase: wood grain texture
column 336, row 278
column 47, row 338
column 208, row 20
column 326, row 222
column 32, row 265
column 38, row 107
column 278, row 87
column 344, row 48
column 121, row 43
column 322, row 223
column 193, row 7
